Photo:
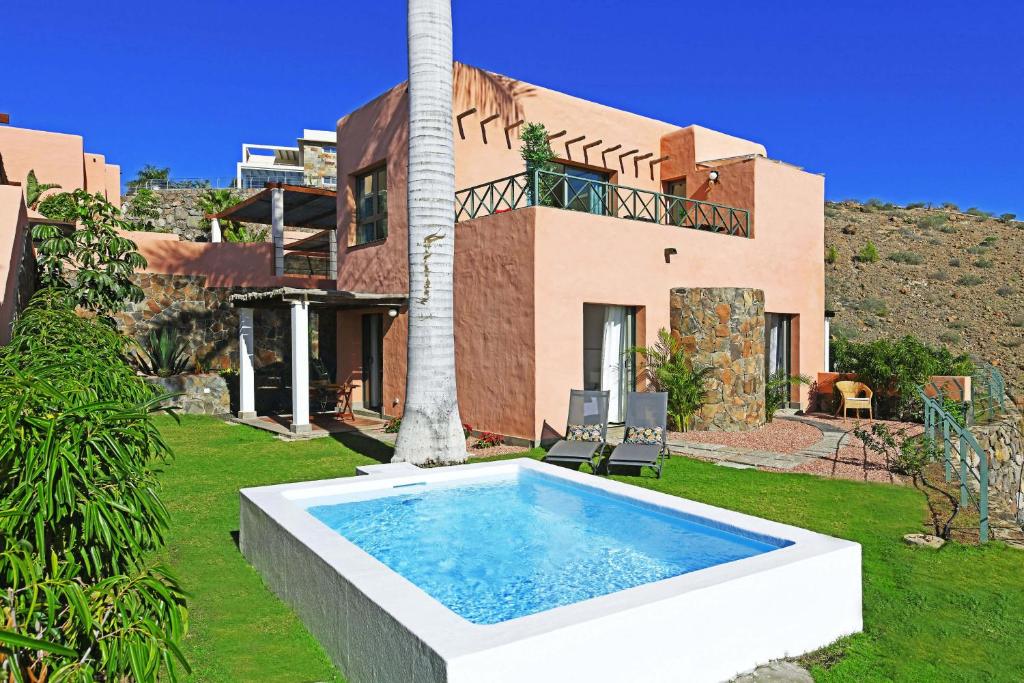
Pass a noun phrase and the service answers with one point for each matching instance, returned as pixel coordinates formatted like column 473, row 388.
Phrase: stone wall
column 180, row 213
column 204, row 394
column 723, row 328
column 1003, row 440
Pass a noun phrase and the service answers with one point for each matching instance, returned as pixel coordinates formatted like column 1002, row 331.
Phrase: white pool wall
column 706, row 625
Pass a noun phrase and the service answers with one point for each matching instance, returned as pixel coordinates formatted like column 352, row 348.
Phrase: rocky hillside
column 947, row 277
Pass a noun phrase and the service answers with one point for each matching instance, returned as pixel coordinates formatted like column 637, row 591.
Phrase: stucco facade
column 522, row 276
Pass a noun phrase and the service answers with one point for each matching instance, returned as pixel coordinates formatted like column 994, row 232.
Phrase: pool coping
column 453, row 638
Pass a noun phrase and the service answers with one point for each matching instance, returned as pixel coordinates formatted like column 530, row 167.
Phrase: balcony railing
column 562, row 191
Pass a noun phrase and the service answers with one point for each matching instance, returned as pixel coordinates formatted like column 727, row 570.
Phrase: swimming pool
column 516, row 544
column 520, row 570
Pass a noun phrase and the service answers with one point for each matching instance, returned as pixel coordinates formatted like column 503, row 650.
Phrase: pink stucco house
column 549, row 296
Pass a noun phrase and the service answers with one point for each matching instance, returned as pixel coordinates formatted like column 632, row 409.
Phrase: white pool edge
column 703, row 626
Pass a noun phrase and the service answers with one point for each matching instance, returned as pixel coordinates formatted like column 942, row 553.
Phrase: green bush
column 1017, row 321
column 983, row 263
column 954, row 262
column 831, row 255
column 975, row 211
column 868, row 254
column 915, row 205
column 163, row 354
column 81, row 510
column 666, row 368
column 989, row 241
column 907, row 257
column 970, row 280
column 950, row 206
column 896, row 368
column 777, row 390
column 1006, row 291
column 932, row 221
column 939, row 276
column 876, row 306
column 1007, row 217
column 950, row 338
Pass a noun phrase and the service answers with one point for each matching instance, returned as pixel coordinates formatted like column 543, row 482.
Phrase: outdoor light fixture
column 392, row 312
column 669, row 253
column 713, row 177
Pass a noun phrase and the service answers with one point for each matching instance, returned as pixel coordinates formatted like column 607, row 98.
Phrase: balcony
column 561, row 191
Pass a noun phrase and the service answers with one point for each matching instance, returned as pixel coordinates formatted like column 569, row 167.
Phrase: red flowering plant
column 487, row 440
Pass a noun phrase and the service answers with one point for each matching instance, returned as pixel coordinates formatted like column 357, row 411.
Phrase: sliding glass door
column 608, row 331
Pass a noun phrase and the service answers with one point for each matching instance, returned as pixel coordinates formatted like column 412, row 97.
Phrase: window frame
column 378, row 219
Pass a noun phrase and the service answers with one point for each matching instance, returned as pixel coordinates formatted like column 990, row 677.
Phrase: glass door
column 373, row 368
column 608, row 331
column 581, row 190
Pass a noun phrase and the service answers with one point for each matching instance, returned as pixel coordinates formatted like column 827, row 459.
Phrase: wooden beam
column 586, row 148
column 575, row 140
column 556, row 135
column 622, row 164
column 637, row 160
column 5, row 118
column 508, row 138
column 483, row 130
column 458, row 119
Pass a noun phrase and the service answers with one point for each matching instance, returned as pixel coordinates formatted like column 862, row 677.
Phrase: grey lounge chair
column 588, row 409
column 647, row 410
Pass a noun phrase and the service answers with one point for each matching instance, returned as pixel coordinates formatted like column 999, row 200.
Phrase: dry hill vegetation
column 945, row 276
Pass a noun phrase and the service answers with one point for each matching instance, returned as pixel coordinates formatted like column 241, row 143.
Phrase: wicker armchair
column 854, row 396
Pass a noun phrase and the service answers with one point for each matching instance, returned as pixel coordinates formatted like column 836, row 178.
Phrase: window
column 372, row 206
column 582, row 190
column 259, row 177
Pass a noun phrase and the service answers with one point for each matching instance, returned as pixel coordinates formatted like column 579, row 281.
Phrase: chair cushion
column 646, row 435
column 583, row 433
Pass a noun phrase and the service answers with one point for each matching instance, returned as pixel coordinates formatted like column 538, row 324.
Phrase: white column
column 215, row 230
column 246, row 381
column 277, row 228
column 828, row 334
column 300, row 367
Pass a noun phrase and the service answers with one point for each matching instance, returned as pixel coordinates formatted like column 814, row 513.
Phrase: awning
column 304, row 207
column 317, row 298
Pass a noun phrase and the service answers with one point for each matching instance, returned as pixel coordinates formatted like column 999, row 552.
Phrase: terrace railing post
column 983, row 495
column 963, row 470
column 947, row 448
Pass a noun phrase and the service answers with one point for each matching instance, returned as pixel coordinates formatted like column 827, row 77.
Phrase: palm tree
column 431, row 428
column 147, row 173
column 34, row 189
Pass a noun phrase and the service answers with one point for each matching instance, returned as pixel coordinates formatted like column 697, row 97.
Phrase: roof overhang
column 304, row 207
column 317, row 298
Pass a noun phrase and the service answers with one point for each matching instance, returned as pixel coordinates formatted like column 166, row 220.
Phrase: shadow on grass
column 365, row 445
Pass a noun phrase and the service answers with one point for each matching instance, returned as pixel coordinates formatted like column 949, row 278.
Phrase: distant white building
column 313, row 162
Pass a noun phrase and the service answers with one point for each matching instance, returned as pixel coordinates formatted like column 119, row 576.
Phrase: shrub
column 932, row 221
column 970, row 280
column 1017, row 321
column 907, row 257
column 915, row 205
column 869, row 254
column 164, row 353
column 393, row 425
column 989, row 240
column 983, row 263
column 1007, row 217
column 666, row 368
column 939, row 276
column 142, row 206
column 950, row 338
column 488, row 439
column 975, row 211
column 954, row 262
column 875, row 306
column 81, row 510
column 896, row 367
column 777, row 391
column 980, row 249
column 951, row 206
column 1006, row 291
column 93, row 264
column 956, row 325
column 830, row 212
column 831, row 255
column 467, row 430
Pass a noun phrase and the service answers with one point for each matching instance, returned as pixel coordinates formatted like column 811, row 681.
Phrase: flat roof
column 304, row 207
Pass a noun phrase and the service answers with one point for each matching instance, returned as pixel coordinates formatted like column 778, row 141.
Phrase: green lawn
column 952, row 615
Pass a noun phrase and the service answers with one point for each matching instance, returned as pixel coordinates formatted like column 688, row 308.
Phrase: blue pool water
column 498, row 549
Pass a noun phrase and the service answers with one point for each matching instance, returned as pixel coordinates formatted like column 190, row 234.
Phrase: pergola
column 280, row 205
column 299, row 301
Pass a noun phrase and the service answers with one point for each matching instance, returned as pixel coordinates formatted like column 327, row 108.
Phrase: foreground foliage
column 79, row 511
column 666, row 368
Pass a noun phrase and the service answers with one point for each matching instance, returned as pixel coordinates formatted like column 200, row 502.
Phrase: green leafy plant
column 868, row 254
column 93, row 264
column 81, row 513
column 777, row 389
column 34, row 189
column 537, row 154
column 245, row 233
column 165, row 353
column 215, row 201
column 393, row 425
column 875, row 306
column 831, row 254
column 969, row 280
column 488, row 440
column 1006, row 291
column 143, row 206
column 666, row 368
column 894, row 369
column 907, row 257
column 983, row 263
column 467, row 430
column 1007, row 217
column 147, row 174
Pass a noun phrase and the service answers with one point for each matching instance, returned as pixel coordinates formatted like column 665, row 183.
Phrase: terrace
column 574, row 193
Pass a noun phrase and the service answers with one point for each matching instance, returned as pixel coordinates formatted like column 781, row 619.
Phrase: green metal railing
column 958, row 437
column 558, row 190
column 988, row 389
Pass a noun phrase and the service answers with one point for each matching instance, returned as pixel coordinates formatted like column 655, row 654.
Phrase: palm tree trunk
column 431, row 429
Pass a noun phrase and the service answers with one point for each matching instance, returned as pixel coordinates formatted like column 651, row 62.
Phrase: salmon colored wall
column 58, row 158
column 596, row 259
column 13, row 224
column 225, row 264
column 55, row 157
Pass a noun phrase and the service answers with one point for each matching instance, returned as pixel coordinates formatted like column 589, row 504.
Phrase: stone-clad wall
column 180, row 213
column 723, row 328
column 206, row 317
column 1003, row 440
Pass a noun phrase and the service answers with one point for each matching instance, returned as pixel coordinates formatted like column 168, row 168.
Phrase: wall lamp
column 669, row 253
column 713, row 177
column 392, row 312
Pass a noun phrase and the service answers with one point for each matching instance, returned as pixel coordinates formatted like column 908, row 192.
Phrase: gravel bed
column 854, row 461
column 778, row 436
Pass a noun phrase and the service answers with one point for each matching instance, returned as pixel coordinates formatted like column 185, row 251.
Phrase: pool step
column 388, row 469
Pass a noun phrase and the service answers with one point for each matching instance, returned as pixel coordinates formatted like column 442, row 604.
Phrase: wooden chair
column 345, row 402
column 854, row 396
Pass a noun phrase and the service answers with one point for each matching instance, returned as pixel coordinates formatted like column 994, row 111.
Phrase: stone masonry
column 180, row 213
column 1003, row 441
column 723, row 328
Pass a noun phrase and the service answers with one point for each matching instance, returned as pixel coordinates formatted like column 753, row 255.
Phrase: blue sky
column 900, row 100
